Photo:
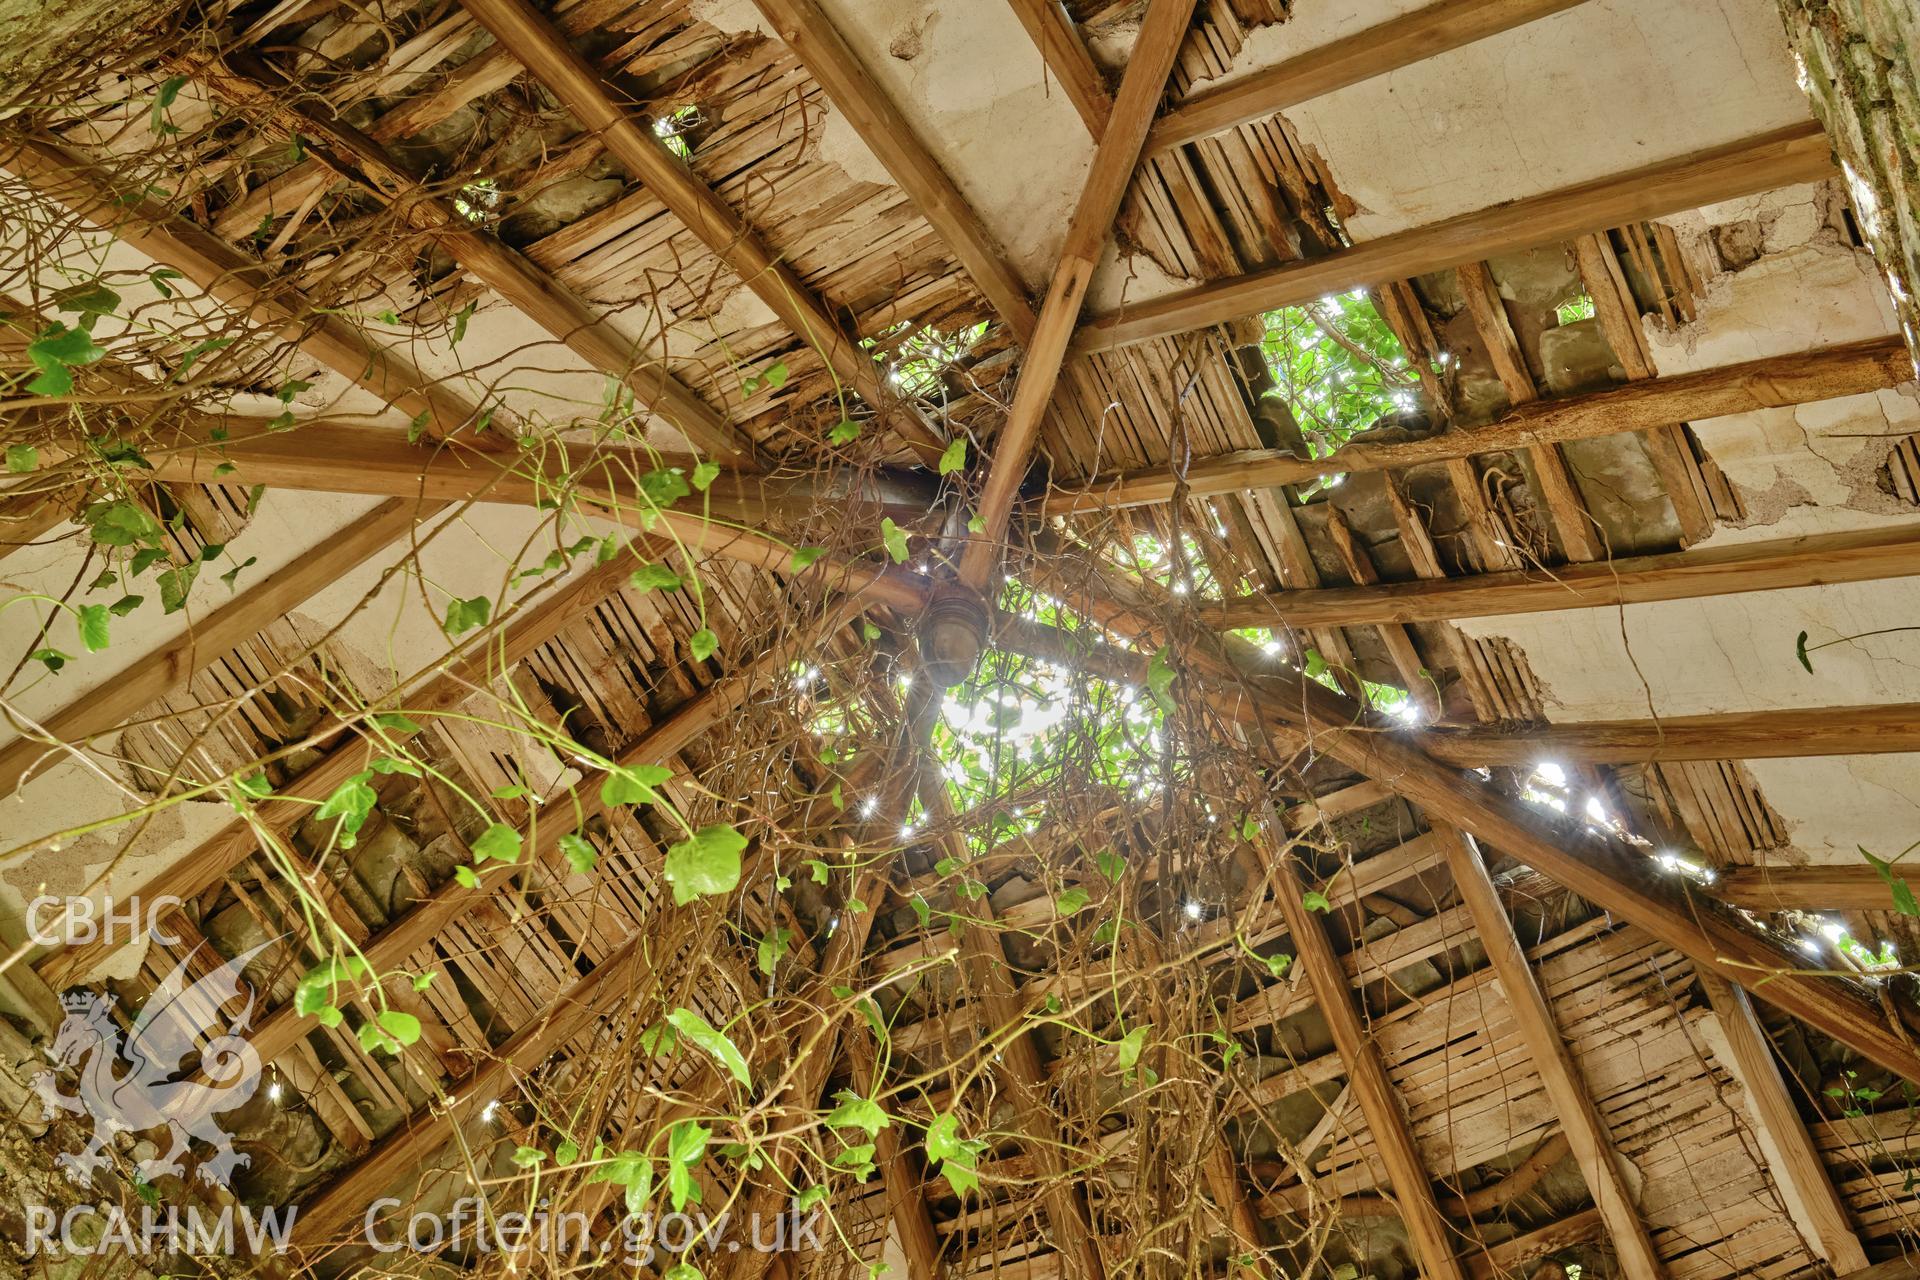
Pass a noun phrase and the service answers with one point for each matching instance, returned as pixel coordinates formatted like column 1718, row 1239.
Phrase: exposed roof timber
column 1065, row 53
column 810, row 33
column 1790, row 732
column 491, row 651
column 1792, row 1157
column 1372, row 1088
column 531, row 37
column 1497, row 1262
column 1114, row 161
column 1021, row 1070
column 349, row 1194
column 1772, row 382
column 1596, row 866
column 1816, row 560
column 1586, row 1132
column 342, row 456
column 1853, row 886
column 1798, row 153
column 250, row 82
column 159, row 671
column 912, row 1220
column 235, row 280
column 1407, row 39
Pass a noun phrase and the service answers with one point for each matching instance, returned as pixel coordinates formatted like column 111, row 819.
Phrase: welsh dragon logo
column 146, row 1095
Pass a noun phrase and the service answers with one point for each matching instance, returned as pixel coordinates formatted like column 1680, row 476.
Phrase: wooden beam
column 345, row 1198
column 1606, row 872
column 1858, row 556
column 357, row 158
column 1408, row 39
column 1065, row 54
column 1258, row 693
column 234, row 280
column 207, row 638
column 810, row 33
column 486, row 656
column 1795, row 154
column 1731, row 735
column 530, row 37
column 1372, row 1088
column 1580, row 1121
column 906, row 1203
column 419, row 924
column 1803, row 377
column 1114, row 161
column 1504, row 1260
column 1792, row 1158
column 344, row 456
column 1847, row 887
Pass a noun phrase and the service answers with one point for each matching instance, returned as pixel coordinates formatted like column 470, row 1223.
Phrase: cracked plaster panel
column 973, row 86
column 1632, row 82
column 1811, row 468
column 1736, row 653
column 396, row 631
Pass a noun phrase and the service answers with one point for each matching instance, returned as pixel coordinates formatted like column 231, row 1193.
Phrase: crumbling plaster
column 1801, row 471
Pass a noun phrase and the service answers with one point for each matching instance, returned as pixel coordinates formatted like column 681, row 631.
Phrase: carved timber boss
column 951, row 633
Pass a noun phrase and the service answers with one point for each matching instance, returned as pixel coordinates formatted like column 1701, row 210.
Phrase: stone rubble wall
column 1860, row 72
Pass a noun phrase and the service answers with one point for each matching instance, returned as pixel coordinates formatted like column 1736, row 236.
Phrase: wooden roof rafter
column 252, row 83
column 531, row 37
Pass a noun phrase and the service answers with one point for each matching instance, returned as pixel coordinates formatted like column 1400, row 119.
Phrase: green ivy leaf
column 93, row 627
column 1800, row 652
column 703, row 644
column 464, row 615
column 663, row 487
column 1277, row 966
column 466, row 877
column 705, row 474
column 954, row 457
column 422, row 981
column 1903, row 899
column 633, row 784
column 579, row 853
column 706, row 863
column 22, row 458
column 856, row 1112
column 349, row 806
column 703, row 1034
column 895, row 539
column 846, row 433
column 654, row 577
column 1070, row 903
column 804, row 556
column 499, row 843
column 1160, row 678
column 1129, row 1049
column 772, row 947
column 1314, row 900
column 460, row 319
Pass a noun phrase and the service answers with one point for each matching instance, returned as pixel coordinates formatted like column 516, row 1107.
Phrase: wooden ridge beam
column 236, row 281
column 809, row 32
column 1730, row 735
column 1772, row 382
column 1781, row 564
column 158, row 672
column 252, row 83
column 1580, row 1121
column 1846, row 887
column 1372, row 1088
column 1792, row 1158
column 1798, row 153
column 1114, row 161
column 1065, row 54
column 1406, row 40
column 530, row 37
column 344, row 456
